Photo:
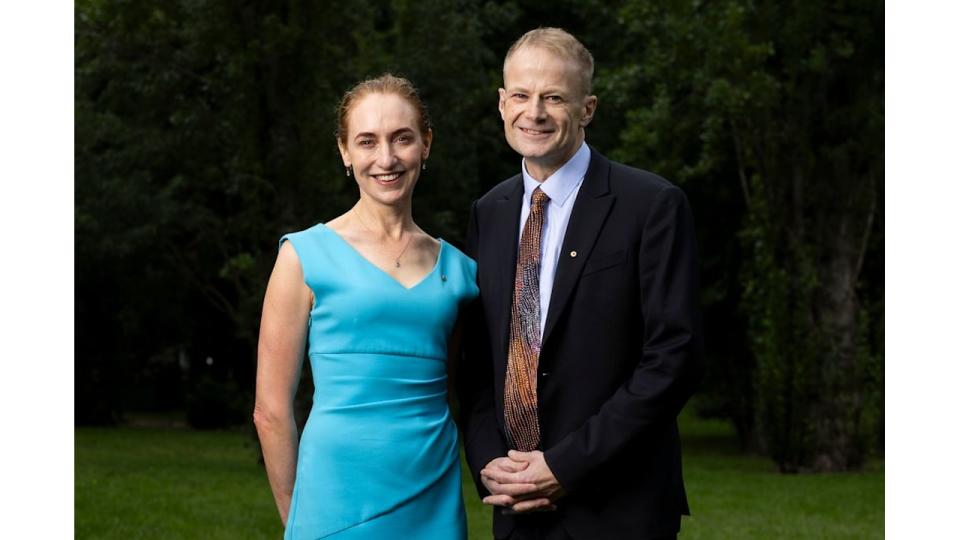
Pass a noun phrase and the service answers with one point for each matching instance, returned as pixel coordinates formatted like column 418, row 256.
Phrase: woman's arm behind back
column 283, row 332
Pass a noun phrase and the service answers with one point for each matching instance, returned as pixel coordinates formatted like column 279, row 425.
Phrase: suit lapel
column 506, row 234
column 589, row 212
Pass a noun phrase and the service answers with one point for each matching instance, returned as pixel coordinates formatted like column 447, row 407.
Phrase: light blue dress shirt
column 562, row 188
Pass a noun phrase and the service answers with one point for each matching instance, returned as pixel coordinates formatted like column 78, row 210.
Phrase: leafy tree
column 784, row 99
column 204, row 132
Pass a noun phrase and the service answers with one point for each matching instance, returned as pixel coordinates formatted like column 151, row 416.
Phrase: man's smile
column 535, row 132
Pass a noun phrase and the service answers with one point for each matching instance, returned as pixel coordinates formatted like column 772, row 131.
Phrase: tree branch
column 865, row 241
column 208, row 291
column 744, row 185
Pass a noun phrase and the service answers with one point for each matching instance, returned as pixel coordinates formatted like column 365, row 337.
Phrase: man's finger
column 499, row 500
column 513, row 466
column 502, row 477
column 518, row 456
column 514, row 490
column 534, row 505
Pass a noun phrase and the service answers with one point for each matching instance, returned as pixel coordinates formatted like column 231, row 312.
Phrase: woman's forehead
column 381, row 113
column 382, row 106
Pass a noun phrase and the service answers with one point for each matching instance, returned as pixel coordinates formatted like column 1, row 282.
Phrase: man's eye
column 366, row 142
column 404, row 139
column 554, row 99
column 520, row 97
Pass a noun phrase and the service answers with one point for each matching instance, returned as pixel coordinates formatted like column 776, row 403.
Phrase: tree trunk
column 839, row 431
column 839, row 406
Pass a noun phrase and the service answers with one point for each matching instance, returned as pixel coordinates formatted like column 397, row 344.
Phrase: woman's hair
column 384, row 84
column 561, row 42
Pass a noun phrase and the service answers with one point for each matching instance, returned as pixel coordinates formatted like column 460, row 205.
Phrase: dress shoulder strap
column 308, row 244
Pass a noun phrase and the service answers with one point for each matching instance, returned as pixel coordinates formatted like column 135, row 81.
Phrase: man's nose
column 536, row 109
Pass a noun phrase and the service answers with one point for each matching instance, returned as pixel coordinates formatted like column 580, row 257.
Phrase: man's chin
column 530, row 151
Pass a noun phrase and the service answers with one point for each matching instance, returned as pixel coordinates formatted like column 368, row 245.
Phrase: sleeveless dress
column 378, row 456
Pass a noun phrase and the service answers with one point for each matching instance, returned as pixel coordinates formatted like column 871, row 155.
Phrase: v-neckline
column 383, row 272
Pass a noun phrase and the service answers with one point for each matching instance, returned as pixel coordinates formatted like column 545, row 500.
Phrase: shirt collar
column 559, row 185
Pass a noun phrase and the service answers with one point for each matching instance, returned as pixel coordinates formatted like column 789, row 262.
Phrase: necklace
column 396, row 260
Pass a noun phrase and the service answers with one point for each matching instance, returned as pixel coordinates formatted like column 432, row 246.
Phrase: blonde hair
column 384, row 84
column 561, row 42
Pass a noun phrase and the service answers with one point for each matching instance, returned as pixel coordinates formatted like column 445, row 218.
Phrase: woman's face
column 385, row 147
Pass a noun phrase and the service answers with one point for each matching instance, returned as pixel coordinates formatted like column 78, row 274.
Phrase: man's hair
column 559, row 41
column 384, row 84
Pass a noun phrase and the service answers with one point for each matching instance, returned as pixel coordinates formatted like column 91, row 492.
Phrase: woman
column 376, row 300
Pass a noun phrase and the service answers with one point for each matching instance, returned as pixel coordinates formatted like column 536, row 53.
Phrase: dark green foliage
column 204, row 131
column 785, row 101
column 213, row 404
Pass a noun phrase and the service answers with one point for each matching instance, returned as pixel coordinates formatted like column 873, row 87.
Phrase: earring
column 349, row 169
column 423, row 165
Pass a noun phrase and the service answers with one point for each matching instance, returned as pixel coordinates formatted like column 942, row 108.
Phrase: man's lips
column 535, row 132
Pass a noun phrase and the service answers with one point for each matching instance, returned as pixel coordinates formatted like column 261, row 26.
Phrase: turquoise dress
column 378, row 456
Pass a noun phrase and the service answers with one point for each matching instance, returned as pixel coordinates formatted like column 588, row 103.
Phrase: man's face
column 544, row 108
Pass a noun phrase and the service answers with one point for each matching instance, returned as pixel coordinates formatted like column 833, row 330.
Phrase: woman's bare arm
column 283, row 331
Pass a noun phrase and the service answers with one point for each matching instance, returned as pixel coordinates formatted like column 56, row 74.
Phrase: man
column 585, row 342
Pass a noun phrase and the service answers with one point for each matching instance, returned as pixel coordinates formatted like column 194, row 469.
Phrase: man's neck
column 541, row 170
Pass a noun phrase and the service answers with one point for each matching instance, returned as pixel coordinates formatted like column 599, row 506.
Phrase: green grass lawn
column 175, row 483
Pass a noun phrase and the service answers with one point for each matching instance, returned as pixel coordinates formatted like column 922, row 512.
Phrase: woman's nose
column 386, row 156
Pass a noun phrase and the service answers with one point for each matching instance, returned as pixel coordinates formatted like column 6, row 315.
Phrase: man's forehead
column 538, row 55
column 541, row 61
column 541, row 67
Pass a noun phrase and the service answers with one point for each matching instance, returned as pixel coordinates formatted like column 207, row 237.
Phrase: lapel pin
column 443, row 277
column 573, row 254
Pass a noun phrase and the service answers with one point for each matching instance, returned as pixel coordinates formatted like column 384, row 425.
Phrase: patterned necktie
column 520, row 389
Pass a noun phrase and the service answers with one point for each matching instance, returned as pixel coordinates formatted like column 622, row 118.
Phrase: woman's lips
column 387, row 178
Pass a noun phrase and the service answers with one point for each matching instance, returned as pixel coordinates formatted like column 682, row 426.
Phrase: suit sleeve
column 668, row 367
column 481, row 436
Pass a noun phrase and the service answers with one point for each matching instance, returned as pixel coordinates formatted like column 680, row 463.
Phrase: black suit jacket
column 620, row 353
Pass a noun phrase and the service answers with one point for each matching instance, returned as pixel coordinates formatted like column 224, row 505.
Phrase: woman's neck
column 379, row 219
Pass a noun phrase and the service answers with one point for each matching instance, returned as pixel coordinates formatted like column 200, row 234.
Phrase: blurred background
column 204, row 131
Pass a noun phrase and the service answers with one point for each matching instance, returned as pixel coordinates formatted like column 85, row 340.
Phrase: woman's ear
column 427, row 141
column 344, row 154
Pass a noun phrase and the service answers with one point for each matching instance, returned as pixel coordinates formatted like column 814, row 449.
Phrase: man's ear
column 502, row 102
column 589, row 108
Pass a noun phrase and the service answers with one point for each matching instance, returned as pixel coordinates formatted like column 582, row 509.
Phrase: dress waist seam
column 379, row 353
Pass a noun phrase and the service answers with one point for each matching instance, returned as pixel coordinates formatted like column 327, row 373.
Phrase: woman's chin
column 390, row 195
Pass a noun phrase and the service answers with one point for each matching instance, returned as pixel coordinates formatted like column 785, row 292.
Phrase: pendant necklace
column 396, row 260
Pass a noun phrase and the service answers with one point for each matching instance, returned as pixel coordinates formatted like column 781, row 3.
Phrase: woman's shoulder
column 455, row 254
column 305, row 235
column 459, row 260
column 462, row 270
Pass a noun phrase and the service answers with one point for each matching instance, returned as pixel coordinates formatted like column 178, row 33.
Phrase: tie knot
column 539, row 199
